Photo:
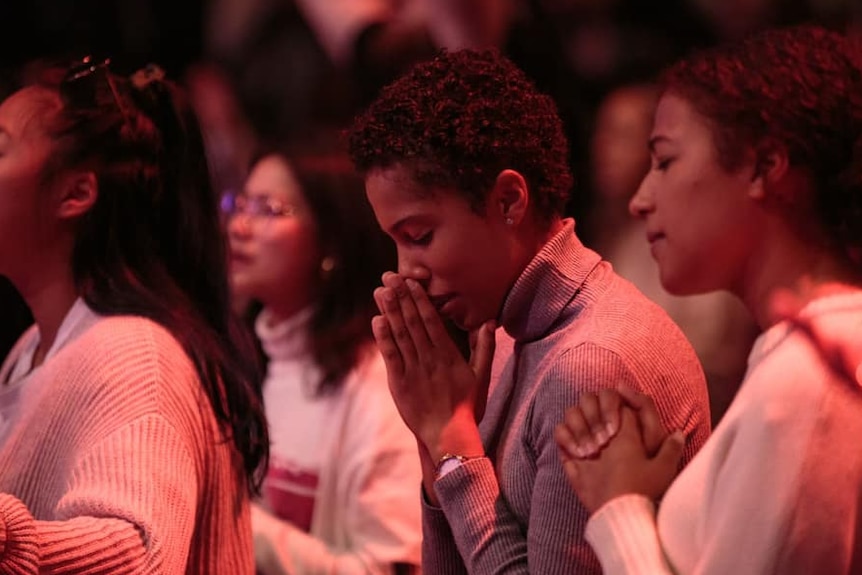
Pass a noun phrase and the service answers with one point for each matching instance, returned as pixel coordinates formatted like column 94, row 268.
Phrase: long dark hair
column 152, row 244
column 348, row 236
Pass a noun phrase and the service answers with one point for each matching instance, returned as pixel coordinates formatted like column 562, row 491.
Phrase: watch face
column 448, row 463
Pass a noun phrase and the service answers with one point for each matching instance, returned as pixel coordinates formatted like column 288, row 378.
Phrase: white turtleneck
column 293, row 411
column 341, row 488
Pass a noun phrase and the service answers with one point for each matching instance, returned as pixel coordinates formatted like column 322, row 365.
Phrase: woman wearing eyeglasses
column 340, row 495
column 130, row 434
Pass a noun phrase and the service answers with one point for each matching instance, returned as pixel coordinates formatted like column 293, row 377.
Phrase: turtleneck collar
column 547, row 285
column 286, row 339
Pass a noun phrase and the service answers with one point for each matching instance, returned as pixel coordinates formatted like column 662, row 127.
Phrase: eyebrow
column 406, row 220
column 655, row 141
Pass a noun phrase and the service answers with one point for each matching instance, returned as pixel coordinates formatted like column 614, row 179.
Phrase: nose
column 412, row 267
column 643, row 202
column 238, row 225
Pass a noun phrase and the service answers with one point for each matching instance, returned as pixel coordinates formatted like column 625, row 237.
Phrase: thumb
column 670, row 452
column 482, row 354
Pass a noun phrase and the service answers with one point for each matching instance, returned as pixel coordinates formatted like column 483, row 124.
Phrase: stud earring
column 509, row 221
column 327, row 264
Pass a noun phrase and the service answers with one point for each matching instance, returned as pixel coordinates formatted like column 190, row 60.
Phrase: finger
column 414, row 322
column 666, row 462
column 437, row 332
column 589, row 404
column 784, row 304
column 398, row 329
column 632, row 397
column 388, row 349
column 482, row 351
column 481, row 360
column 570, row 467
column 609, row 405
column 652, row 428
column 566, row 443
column 579, row 441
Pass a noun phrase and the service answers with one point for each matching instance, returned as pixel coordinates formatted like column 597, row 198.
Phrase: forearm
column 79, row 545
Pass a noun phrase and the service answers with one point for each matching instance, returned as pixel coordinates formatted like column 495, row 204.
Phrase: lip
column 439, row 301
column 653, row 237
column 239, row 258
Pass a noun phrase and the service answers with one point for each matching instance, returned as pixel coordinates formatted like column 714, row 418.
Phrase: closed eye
column 419, row 240
column 662, row 165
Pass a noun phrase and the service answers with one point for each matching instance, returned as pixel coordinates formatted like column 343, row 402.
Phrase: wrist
column 458, row 436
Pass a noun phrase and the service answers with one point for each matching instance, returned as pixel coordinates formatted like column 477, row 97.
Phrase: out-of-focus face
column 461, row 258
column 619, row 154
column 700, row 219
column 25, row 214
column 275, row 257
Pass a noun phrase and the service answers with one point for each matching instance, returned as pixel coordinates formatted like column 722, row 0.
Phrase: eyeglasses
column 256, row 206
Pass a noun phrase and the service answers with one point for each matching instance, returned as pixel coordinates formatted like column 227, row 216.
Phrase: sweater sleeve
column 129, row 508
column 485, row 529
column 623, row 534
column 439, row 551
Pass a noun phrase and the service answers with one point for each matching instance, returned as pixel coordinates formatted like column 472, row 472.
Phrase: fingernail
column 602, row 437
column 388, row 295
column 611, row 429
column 412, row 285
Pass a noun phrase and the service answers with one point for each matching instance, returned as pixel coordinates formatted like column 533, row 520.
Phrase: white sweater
column 366, row 514
column 776, row 489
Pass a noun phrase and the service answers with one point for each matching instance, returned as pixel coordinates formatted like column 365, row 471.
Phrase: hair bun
column 146, row 76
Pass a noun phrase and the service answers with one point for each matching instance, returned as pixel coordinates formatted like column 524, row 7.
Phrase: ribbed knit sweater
column 113, row 462
column 577, row 327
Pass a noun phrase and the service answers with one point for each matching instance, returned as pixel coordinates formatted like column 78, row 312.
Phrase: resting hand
column 640, row 457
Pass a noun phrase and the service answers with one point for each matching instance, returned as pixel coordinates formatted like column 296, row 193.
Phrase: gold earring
column 327, row 264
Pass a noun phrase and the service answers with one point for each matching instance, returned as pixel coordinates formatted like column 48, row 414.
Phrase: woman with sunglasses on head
column 131, row 434
column 340, row 492
column 755, row 188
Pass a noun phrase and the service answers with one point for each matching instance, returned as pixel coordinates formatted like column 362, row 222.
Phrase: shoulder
column 132, row 340
column 128, row 359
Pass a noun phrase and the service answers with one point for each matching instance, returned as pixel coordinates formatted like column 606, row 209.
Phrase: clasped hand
column 613, row 443
column 440, row 396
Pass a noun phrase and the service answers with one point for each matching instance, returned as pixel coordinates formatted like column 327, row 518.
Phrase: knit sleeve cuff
column 19, row 549
column 623, row 535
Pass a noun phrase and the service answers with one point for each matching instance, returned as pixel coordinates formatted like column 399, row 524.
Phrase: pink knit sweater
column 113, row 462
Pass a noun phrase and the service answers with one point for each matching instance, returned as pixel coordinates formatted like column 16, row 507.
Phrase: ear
column 771, row 164
column 509, row 198
column 77, row 195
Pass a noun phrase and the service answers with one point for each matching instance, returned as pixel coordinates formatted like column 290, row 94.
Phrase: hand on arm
column 613, row 443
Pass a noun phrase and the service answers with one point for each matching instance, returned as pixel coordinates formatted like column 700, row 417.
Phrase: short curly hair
column 800, row 86
column 461, row 118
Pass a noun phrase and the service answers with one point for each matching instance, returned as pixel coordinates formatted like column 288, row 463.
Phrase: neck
column 280, row 313
column 49, row 297
column 796, row 270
